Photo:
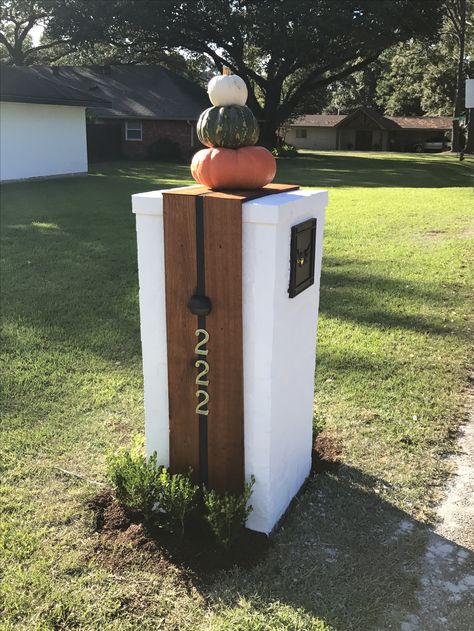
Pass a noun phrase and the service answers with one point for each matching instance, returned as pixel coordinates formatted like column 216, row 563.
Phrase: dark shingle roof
column 440, row 123
column 20, row 84
column 318, row 120
column 422, row 122
column 135, row 91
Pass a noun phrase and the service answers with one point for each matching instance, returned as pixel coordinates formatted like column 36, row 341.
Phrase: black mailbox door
column 302, row 256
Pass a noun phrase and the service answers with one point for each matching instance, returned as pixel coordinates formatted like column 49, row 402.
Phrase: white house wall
column 41, row 140
column 317, row 138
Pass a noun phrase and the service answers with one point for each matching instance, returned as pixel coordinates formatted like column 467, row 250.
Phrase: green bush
column 165, row 150
column 285, row 151
column 178, row 498
column 227, row 514
column 166, row 499
column 135, row 480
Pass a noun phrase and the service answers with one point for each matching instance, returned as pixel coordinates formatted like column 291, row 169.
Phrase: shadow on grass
column 70, row 248
column 346, row 556
column 362, row 297
column 371, row 171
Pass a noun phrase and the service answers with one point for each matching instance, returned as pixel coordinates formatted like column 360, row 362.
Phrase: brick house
column 148, row 104
column 367, row 130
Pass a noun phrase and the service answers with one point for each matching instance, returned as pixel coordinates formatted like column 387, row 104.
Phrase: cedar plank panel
column 243, row 195
column 180, row 280
column 223, row 276
column 223, row 256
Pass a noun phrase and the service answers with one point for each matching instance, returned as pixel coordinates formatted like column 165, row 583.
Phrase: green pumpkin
column 230, row 126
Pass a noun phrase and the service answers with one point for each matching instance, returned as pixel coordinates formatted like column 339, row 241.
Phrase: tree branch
column 6, row 43
column 290, row 103
column 35, row 49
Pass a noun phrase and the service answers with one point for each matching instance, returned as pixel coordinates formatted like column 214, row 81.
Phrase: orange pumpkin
column 243, row 168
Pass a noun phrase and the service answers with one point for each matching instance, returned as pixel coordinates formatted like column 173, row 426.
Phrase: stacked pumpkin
column 230, row 130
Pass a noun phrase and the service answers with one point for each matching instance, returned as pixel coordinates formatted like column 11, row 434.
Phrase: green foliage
column 418, row 79
column 285, row 150
column 411, row 78
column 357, row 90
column 17, row 19
column 165, row 150
column 178, row 498
column 227, row 514
column 284, row 51
column 135, row 480
column 166, row 499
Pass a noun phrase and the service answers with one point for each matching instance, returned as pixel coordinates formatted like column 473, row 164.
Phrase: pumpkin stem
column 226, row 70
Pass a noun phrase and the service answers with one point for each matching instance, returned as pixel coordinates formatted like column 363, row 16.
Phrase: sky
column 36, row 33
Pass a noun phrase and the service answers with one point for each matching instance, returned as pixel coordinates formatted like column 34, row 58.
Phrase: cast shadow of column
column 347, row 556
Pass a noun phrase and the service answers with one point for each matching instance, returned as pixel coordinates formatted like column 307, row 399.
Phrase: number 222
column 204, row 366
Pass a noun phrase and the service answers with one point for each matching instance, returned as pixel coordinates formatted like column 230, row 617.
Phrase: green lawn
column 393, row 347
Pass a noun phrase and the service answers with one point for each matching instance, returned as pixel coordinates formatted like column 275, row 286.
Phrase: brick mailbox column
column 258, row 267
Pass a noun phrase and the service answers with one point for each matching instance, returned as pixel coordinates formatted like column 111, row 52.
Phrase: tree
column 470, row 123
column 409, row 79
column 418, row 79
column 17, row 19
column 283, row 49
column 357, row 90
column 457, row 11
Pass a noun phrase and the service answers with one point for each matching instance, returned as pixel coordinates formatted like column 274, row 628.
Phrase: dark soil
column 327, row 452
column 124, row 538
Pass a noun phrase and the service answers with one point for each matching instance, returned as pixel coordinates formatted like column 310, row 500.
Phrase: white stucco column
column 279, row 340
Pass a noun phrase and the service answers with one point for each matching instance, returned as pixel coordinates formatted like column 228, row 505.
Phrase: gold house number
column 203, row 366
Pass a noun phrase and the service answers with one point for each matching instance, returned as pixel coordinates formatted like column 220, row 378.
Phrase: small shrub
column 141, row 485
column 227, row 514
column 135, row 480
column 165, row 150
column 285, row 151
column 178, row 498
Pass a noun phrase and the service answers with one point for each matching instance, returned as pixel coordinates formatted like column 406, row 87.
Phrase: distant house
column 42, row 126
column 147, row 104
column 367, row 130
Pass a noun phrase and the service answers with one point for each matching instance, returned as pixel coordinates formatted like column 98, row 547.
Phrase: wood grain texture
column 243, row 196
column 223, row 255
column 222, row 215
column 180, row 280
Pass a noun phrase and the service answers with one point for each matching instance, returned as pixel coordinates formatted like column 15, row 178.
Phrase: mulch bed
column 124, row 539
column 326, row 455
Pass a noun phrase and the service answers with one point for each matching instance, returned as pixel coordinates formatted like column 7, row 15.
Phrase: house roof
column 317, row 120
column 423, row 122
column 134, row 91
column 19, row 84
column 384, row 122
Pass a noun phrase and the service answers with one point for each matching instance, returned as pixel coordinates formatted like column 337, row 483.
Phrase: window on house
column 133, row 130
column 301, row 132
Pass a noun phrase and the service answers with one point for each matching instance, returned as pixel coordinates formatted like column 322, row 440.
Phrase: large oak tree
column 18, row 18
column 283, row 49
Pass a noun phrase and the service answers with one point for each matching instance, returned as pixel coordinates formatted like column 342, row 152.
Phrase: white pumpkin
column 227, row 90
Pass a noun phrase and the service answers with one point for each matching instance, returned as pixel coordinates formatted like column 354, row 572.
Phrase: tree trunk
column 271, row 114
column 268, row 135
column 455, row 136
column 459, row 101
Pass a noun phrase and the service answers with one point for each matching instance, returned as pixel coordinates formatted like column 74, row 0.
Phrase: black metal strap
column 201, row 291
